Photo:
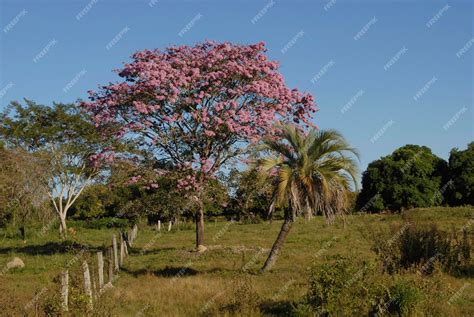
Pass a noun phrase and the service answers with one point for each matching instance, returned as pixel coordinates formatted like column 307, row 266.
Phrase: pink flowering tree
column 197, row 107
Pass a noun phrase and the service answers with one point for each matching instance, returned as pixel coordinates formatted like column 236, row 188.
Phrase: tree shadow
column 168, row 271
column 48, row 248
column 464, row 271
column 278, row 308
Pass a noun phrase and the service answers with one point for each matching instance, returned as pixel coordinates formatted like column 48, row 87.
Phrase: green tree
column 64, row 137
column 313, row 173
column 22, row 186
column 409, row 177
column 249, row 198
column 461, row 174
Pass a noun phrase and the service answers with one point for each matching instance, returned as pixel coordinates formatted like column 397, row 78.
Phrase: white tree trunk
column 169, row 226
column 159, row 225
column 62, row 225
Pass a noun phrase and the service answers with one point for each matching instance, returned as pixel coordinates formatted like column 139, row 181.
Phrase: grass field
column 164, row 277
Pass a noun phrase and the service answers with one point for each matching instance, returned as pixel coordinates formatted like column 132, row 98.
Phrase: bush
column 404, row 297
column 245, row 300
column 342, row 287
column 422, row 247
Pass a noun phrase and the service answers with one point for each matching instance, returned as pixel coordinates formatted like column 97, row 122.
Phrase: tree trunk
column 62, row 227
column 22, row 232
column 272, row 257
column 308, row 213
column 200, row 229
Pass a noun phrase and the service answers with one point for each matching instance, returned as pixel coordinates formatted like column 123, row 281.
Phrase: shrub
column 342, row 287
column 245, row 299
column 421, row 247
column 347, row 287
column 403, row 298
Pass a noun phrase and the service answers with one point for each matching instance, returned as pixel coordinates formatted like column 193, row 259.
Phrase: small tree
column 64, row 137
column 409, row 177
column 197, row 107
column 22, row 186
column 249, row 197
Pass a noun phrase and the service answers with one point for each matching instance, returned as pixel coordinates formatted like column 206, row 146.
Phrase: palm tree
column 312, row 173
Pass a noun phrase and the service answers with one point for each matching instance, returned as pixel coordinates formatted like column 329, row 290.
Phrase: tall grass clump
column 422, row 247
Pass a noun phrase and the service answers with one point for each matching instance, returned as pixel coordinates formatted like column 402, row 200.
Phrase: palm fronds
column 312, row 172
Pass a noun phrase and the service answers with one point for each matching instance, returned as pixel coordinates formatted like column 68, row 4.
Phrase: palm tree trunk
column 272, row 257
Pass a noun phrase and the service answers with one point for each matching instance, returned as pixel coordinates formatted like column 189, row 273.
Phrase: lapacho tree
column 198, row 107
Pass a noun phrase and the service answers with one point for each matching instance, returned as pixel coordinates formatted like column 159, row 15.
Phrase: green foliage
column 92, row 203
column 346, row 287
column 403, row 299
column 250, row 198
column 36, row 127
column 216, row 197
column 410, row 177
column 130, row 201
column 22, row 187
column 311, row 173
column 107, row 223
column 461, row 174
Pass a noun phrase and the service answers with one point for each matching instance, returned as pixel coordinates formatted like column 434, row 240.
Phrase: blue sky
column 407, row 66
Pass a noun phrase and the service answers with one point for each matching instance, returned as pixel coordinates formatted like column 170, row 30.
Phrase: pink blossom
column 209, row 98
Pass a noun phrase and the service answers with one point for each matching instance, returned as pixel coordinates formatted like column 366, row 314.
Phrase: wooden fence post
column 135, row 231
column 87, row 284
column 122, row 252
column 64, row 290
column 116, row 260
column 159, row 225
column 100, row 263
column 111, row 265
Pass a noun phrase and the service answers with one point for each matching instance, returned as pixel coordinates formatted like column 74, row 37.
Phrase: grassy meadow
column 163, row 276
